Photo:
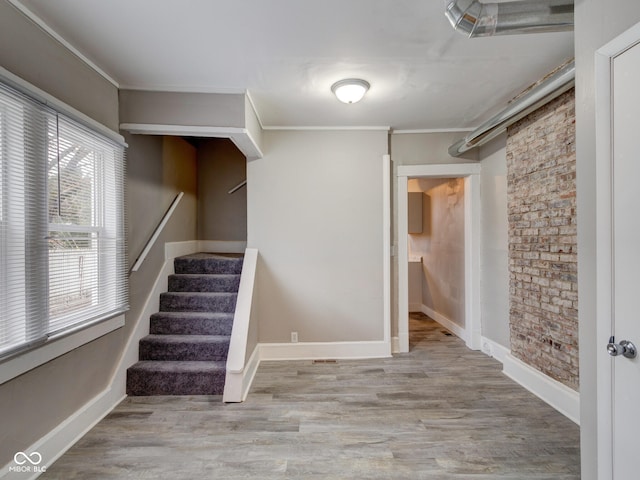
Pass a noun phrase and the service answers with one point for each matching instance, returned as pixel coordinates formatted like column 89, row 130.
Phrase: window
column 62, row 241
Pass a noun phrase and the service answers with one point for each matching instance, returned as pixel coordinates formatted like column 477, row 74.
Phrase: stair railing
column 156, row 233
column 242, row 359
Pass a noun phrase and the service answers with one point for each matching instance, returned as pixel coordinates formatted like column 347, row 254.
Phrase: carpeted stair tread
column 186, row 350
column 176, row 378
column 197, row 282
column 198, row 302
column 209, row 263
column 191, row 323
column 184, row 347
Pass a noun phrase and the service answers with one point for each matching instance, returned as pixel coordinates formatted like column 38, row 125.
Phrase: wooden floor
column 439, row 412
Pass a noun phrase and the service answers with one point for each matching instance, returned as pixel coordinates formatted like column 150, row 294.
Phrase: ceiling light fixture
column 350, row 90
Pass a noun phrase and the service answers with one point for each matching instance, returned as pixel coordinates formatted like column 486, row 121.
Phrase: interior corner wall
column 158, row 168
column 541, row 190
column 221, row 215
column 596, row 23
column 495, row 242
column 441, row 246
column 315, row 213
column 36, row 402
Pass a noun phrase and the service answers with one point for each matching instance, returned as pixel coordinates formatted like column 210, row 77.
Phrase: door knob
column 624, row 348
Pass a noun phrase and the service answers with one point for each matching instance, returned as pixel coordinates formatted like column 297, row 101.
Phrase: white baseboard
column 415, row 307
column 324, row 350
column 177, row 249
column 237, row 385
column 456, row 329
column 494, row 349
column 55, row 443
column 559, row 396
column 222, row 246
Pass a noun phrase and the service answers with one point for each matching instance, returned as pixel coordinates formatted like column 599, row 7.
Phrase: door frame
column 604, row 241
column 471, row 174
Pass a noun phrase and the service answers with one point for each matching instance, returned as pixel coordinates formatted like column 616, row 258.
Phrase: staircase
column 186, row 350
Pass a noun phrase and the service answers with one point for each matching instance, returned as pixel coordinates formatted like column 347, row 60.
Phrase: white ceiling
column 288, row 53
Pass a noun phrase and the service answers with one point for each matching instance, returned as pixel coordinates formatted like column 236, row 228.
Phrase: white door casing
column 471, row 173
column 618, row 255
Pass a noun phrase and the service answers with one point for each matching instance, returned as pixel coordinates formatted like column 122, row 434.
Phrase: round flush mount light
column 350, row 90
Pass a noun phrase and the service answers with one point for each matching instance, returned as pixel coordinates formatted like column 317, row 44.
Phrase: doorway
column 470, row 173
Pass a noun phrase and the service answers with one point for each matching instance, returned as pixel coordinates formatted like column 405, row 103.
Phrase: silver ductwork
column 553, row 86
column 477, row 19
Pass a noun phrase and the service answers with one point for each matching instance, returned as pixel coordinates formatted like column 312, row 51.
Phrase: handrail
column 156, row 233
column 237, row 187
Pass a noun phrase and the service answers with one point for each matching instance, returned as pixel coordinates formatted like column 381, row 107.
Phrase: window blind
column 62, row 224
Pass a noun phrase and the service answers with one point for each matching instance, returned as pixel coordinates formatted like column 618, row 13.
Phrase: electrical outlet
column 294, row 337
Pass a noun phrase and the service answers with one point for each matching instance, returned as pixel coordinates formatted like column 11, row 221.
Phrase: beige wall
column 315, row 214
column 221, row 166
column 441, row 246
column 495, row 244
column 34, row 403
column 597, row 22
column 33, row 55
column 190, row 109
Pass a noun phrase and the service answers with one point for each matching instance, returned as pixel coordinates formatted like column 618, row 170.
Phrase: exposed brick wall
column 541, row 192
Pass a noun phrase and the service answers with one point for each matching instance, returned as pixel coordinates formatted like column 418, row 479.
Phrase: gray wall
column 191, row 109
column 33, row 55
column 221, row 166
column 37, row 401
column 315, row 214
column 495, row 242
column 597, row 22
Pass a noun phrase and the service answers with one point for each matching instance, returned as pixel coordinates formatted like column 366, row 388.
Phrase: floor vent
column 325, row 361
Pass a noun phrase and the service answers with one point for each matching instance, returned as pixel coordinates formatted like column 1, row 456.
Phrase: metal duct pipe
column 478, row 19
column 551, row 87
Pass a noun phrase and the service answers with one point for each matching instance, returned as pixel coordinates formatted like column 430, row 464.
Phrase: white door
column 625, row 273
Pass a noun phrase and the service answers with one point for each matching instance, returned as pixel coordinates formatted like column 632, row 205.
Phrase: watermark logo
column 27, row 463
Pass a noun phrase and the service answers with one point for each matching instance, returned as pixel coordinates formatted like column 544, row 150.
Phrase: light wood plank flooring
column 439, row 412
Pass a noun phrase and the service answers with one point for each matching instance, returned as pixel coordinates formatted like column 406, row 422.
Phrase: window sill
column 20, row 364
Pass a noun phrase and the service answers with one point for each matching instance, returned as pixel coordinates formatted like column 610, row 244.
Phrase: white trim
column 433, row 130
column 238, row 135
column 402, row 201
column 440, row 170
column 43, row 97
column 324, row 350
column 43, row 25
column 554, row 393
column 472, row 254
column 55, row 443
column 415, row 307
column 255, row 110
column 22, row 363
column 447, row 323
column 222, row 246
column 604, row 251
column 238, row 384
column 494, row 349
column 328, row 128
column 178, row 249
column 386, row 246
column 471, row 173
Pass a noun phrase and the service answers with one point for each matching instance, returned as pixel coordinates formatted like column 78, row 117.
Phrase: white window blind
column 62, row 234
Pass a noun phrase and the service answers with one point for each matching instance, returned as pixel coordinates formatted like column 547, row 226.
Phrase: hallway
column 439, row 412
